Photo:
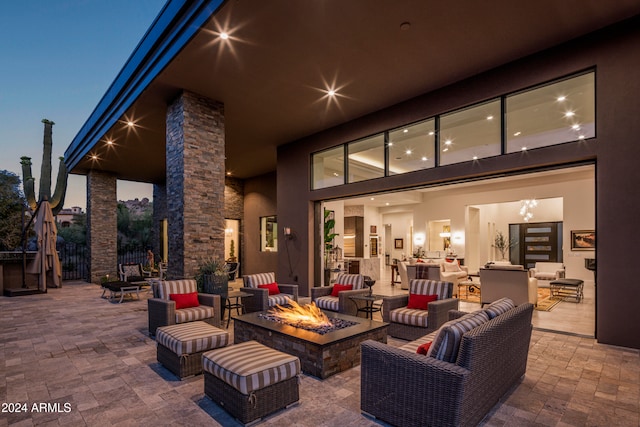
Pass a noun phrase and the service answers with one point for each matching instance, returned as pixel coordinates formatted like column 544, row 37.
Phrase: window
column 268, row 234
column 412, row 148
column 470, row 134
column 551, row 114
column 366, row 158
column 328, row 168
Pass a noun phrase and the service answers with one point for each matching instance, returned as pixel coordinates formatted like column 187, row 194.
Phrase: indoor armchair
column 453, row 272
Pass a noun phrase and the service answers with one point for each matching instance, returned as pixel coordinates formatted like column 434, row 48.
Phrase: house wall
column 615, row 151
column 259, row 201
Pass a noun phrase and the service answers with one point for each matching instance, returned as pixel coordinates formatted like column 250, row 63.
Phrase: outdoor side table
column 237, row 304
column 370, row 304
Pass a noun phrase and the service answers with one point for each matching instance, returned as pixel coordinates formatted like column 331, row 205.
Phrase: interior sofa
column 455, row 388
column 547, row 271
column 169, row 295
column 510, row 281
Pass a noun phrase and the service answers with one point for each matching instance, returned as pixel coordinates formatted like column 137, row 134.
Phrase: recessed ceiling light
column 387, row 204
column 431, row 133
column 569, row 114
column 224, row 36
column 475, row 157
column 408, row 151
column 110, row 142
column 581, row 137
column 575, row 127
column 517, row 133
column 405, row 26
column 447, row 142
column 130, row 123
column 228, row 173
column 373, row 198
column 489, row 117
column 424, row 158
column 331, row 92
column 445, row 150
column 390, row 144
column 406, row 130
column 524, row 148
column 335, row 174
column 561, row 98
column 94, row 157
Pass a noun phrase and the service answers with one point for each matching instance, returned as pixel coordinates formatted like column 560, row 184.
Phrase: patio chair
column 178, row 301
column 411, row 317
column 234, row 267
column 266, row 292
column 331, row 298
column 132, row 273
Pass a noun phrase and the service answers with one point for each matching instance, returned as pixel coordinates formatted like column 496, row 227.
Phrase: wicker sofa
column 404, row 388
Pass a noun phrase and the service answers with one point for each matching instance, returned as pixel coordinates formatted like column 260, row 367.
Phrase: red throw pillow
column 272, row 287
column 185, row 300
column 420, row 302
column 424, row 348
column 339, row 288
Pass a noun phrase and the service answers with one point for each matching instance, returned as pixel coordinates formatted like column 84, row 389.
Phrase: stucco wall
column 612, row 52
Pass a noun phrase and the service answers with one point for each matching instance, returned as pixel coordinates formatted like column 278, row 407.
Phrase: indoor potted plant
column 502, row 244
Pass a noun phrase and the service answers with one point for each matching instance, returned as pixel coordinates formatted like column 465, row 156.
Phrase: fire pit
column 307, row 316
column 321, row 355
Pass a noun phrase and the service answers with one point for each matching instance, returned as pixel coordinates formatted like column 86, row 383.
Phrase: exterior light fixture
column 224, row 36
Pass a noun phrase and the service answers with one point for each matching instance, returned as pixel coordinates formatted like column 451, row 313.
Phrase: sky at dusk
column 57, row 59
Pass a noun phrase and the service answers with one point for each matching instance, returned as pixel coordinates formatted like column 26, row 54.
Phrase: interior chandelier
column 525, row 208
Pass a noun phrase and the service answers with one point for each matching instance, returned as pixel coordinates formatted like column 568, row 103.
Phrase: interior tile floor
column 69, row 346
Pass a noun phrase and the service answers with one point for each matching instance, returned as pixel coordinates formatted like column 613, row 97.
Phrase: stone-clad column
column 102, row 225
column 195, row 182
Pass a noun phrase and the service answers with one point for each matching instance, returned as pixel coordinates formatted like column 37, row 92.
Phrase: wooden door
column 540, row 242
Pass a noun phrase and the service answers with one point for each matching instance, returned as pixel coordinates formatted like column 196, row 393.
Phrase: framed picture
column 398, row 243
column 583, row 240
column 373, row 229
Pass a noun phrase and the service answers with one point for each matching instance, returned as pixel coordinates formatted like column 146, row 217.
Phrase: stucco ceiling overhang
column 282, row 56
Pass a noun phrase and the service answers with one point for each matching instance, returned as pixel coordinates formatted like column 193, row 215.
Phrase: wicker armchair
column 163, row 312
column 409, row 324
column 261, row 300
column 407, row 389
column 342, row 303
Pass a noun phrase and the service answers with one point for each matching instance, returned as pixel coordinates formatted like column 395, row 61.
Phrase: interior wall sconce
column 418, row 239
column 287, row 233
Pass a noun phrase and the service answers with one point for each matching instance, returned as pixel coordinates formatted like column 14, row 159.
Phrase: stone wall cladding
column 195, row 182
column 102, row 228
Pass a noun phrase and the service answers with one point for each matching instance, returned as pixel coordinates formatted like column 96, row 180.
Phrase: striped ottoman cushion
column 328, row 303
column 279, row 299
column 194, row 313
column 447, row 342
column 409, row 316
column 192, row 337
column 250, row 366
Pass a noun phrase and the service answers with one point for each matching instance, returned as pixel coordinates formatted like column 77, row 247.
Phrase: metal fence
column 75, row 259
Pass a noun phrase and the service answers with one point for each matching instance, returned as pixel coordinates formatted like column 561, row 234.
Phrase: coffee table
column 320, row 355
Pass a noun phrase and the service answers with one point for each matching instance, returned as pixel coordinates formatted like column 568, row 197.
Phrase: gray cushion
column 447, row 342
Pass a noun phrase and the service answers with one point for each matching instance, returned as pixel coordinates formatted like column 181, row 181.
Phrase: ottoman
column 567, row 288
column 251, row 380
column 180, row 347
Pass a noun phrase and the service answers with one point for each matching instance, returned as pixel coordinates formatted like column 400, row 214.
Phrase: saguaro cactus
column 57, row 201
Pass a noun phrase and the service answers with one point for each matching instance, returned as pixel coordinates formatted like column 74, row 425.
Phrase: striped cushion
column 357, row 280
column 168, row 287
column 201, row 312
column 447, row 342
column 328, row 303
column 412, row 346
column 192, row 337
column 253, row 280
column 498, row 307
column 250, row 366
column 409, row 316
column 279, row 299
column 431, row 287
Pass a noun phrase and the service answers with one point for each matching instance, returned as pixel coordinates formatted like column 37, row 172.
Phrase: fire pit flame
column 301, row 315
